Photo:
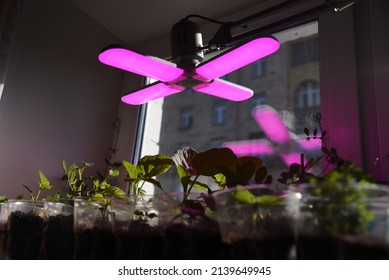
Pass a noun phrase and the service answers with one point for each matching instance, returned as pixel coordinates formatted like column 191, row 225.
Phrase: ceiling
column 137, row 22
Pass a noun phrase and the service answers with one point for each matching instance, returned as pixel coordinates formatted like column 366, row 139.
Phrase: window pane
column 286, row 88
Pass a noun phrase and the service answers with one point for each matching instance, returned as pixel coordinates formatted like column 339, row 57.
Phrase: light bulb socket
column 186, row 44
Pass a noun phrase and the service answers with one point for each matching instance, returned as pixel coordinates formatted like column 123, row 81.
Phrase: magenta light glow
column 124, row 59
column 271, row 123
column 250, row 148
column 237, row 58
column 224, row 89
column 151, row 92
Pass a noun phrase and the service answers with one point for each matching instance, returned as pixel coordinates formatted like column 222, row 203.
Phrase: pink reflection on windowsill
column 274, row 128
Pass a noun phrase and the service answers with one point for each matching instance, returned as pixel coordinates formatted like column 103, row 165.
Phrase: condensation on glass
column 286, row 90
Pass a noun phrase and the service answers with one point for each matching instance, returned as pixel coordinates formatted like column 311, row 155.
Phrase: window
column 219, row 113
column 185, row 118
column 258, row 99
column 305, row 51
column 345, row 89
column 308, row 95
column 258, row 69
column 277, row 91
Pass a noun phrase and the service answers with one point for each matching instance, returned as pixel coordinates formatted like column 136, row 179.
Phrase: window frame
column 344, row 85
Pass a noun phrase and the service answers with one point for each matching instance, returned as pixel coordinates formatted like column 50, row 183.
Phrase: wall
column 58, row 102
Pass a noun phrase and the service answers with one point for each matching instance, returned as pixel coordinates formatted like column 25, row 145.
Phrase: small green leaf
column 184, row 176
column 64, row 168
column 268, row 199
column 150, row 166
column 220, row 179
column 131, row 169
column 208, row 163
column 3, row 199
column 44, row 182
column 200, row 186
column 113, row 172
column 244, row 197
column 154, row 182
column 30, row 191
column 116, row 191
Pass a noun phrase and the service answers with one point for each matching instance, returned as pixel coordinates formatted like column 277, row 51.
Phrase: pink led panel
column 224, row 89
column 124, row 59
column 238, row 57
column 151, row 92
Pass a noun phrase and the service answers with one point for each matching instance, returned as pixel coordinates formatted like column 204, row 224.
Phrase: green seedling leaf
column 154, row 182
column 208, row 163
column 3, row 199
column 183, row 157
column 44, row 182
column 131, row 169
column 247, row 197
column 268, row 199
column 221, row 180
column 113, row 172
column 30, row 191
column 115, row 191
column 150, row 166
column 64, row 168
column 200, row 186
column 244, row 197
column 184, row 176
column 246, row 168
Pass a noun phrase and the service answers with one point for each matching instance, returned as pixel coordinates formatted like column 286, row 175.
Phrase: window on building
column 219, row 113
column 258, row 99
column 258, row 69
column 305, row 50
column 186, row 118
column 308, row 95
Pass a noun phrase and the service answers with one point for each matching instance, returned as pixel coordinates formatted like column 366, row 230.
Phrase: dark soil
column 3, row 240
column 270, row 248
column 191, row 243
column 58, row 238
column 24, row 236
column 95, row 244
column 328, row 247
column 141, row 242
